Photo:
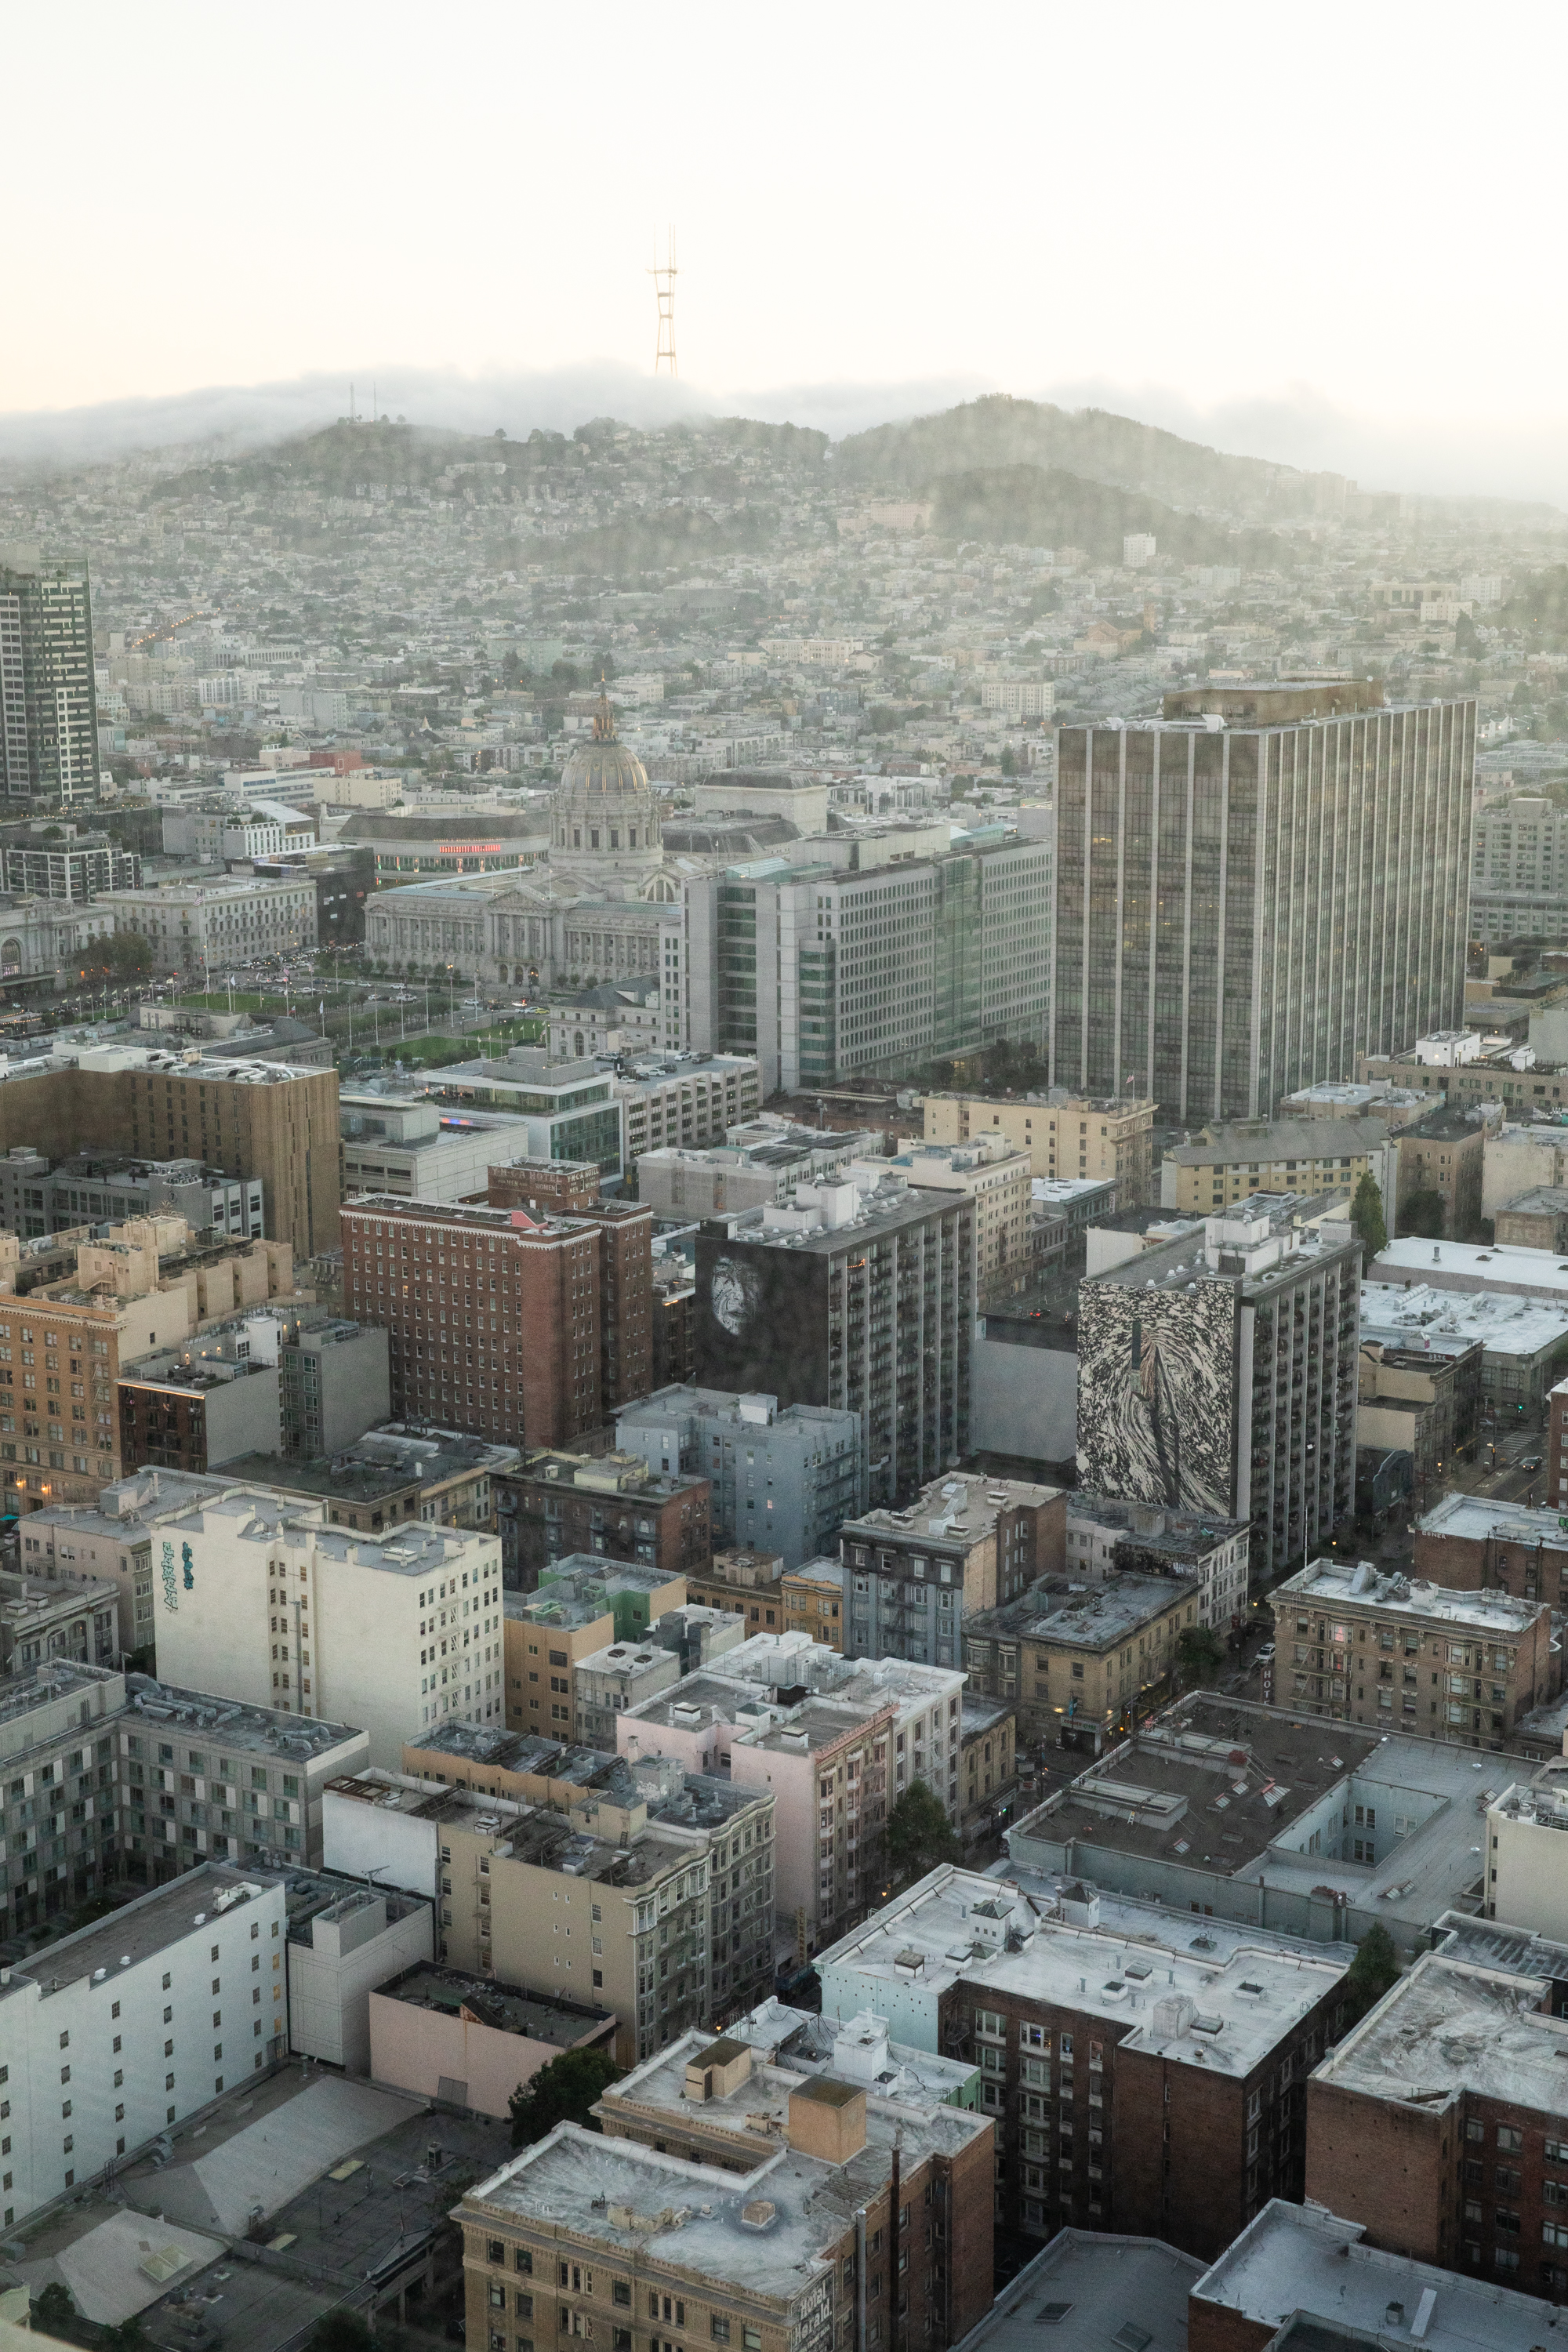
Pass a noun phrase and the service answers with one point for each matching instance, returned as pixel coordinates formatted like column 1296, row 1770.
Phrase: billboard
column 1156, row 1393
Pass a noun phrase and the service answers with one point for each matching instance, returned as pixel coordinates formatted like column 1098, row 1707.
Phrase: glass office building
column 1256, row 887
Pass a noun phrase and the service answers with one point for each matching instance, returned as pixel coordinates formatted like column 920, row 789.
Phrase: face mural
column 733, row 1295
column 1156, row 1397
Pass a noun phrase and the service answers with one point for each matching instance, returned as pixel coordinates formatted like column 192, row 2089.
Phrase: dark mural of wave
column 1156, row 1395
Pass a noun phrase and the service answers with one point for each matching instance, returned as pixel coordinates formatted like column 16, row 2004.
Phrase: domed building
column 604, row 838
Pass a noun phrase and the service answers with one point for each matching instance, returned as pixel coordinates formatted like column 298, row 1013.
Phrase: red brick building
column 1470, row 1543
column 1440, row 2123
column 609, row 1503
column 544, row 1187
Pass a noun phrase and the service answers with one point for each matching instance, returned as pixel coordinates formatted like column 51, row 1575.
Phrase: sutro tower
column 664, row 288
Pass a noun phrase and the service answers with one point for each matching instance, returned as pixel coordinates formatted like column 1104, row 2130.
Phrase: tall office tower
column 822, row 971
column 1256, row 888
column 48, row 713
column 1219, row 1375
column 858, row 1297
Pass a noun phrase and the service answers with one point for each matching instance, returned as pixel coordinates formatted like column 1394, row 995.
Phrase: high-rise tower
column 48, row 713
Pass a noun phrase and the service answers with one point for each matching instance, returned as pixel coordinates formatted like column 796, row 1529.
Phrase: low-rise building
column 557, row 1505
column 1500, row 1348
column 812, row 1597
column 749, row 1583
column 440, row 2034
column 1524, row 1880
column 119, row 2031
column 987, row 1764
column 1412, row 1399
column 1435, row 2122
column 1440, row 1159
column 1065, row 1135
column 45, row 1620
column 1230, row 1163
column 1239, row 1811
column 1470, row 1543
column 1141, row 2081
column 441, row 1476
column 1105, row 1539
column 1374, row 1648
column 344, row 1939
column 1535, row 1220
column 1557, row 1444
column 780, row 1480
column 762, row 1161
column 621, row 1675
column 111, row 1543
column 916, row 1577
column 779, row 2260
column 1085, row 1659
column 199, row 927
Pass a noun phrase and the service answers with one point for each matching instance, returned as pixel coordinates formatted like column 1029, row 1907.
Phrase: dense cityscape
column 784, row 1393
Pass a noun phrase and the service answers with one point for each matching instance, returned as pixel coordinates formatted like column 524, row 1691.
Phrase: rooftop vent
column 758, row 2214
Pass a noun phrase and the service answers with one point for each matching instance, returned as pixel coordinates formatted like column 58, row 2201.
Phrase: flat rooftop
column 1479, row 1517
column 1416, row 1316
column 1092, row 2291
column 232, row 1723
column 1449, row 2026
column 508, row 2009
column 1507, row 1268
column 1336, row 1583
column 958, row 1510
column 1240, row 1788
column 888, row 1210
column 1182, row 1996
column 1180, row 1263
column 1294, row 2258
column 1087, row 1617
column 758, row 2108
column 1180, row 1535
column 657, row 2209
column 152, row 1922
column 519, row 1751
column 324, row 1894
column 858, row 2049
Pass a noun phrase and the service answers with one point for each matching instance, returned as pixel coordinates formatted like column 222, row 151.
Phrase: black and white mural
column 1156, row 1393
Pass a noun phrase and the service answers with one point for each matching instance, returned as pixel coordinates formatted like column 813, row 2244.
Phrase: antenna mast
column 664, row 288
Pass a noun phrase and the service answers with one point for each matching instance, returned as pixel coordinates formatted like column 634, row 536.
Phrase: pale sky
column 1324, row 232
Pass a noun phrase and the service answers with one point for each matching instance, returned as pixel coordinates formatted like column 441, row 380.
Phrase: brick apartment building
column 1141, row 2080
column 544, row 1188
column 1367, row 1647
column 1557, row 1444
column 1440, row 2121
column 569, row 1188
column 612, row 1504
column 1470, row 1543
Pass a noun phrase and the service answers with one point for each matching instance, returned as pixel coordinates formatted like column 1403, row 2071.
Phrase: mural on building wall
column 1156, row 1394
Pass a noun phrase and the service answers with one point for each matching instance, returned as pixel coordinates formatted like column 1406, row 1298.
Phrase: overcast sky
column 1332, row 235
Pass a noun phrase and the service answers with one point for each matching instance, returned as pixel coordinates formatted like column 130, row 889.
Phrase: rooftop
column 1449, row 2027
column 1508, row 1267
column 657, row 2209
column 888, row 1208
column 384, row 1461
column 956, row 1511
column 1239, row 1789
column 1183, row 1995
column 508, row 2009
column 758, row 2107
column 1086, row 1616
column 1415, row 1315
column 1181, row 1535
column 857, row 2049
column 232, row 1723
column 1269, row 1139
column 1338, row 1583
column 1479, row 1519
column 1258, row 1243
column 325, row 1896
column 152, row 1922
column 1092, row 2291
column 1299, row 2258
column 1542, row 1200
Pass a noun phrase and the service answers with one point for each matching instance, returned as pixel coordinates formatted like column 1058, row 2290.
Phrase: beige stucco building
column 1065, row 1135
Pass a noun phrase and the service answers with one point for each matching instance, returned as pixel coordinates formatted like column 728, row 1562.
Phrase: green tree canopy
column 563, row 2091
column 1367, row 1217
column 1422, row 1216
column 920, row 1835
column 1375, row 1967
column 341, row 2331
column 52, row 2306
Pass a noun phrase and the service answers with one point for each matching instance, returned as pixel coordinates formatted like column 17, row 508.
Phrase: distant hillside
column 1033, row 506
column 999, row 431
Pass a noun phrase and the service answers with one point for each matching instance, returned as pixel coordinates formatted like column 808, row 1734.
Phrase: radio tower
column 664, row 288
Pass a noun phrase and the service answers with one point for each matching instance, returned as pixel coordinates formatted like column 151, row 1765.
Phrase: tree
column 1367, row 1217
column 52, row 2306
column 563, row 2091
column 1374, row 1968
column 1420, row 1216
column 1200, row 1655
column 920, row 1835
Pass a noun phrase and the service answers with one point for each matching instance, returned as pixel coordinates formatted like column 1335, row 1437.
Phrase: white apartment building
column 1525, row 1883
column 118, row 2032
column 258, row 1600
column 1519, row 871
column 1107, row 1539
column 1018, row 697
column 205, row 928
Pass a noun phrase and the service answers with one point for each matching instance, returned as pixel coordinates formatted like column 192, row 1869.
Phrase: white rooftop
column 1221, row 2008
column 1449, row 2026
column 1481, row 1265
column 1092, row 2291
column 1300, row 2258
column 1418, row 1316
column 1335, row 1582
column 1478, row 1518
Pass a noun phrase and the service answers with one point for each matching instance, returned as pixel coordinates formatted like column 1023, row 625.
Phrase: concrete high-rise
column 48, row 713
column 1255, row 889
